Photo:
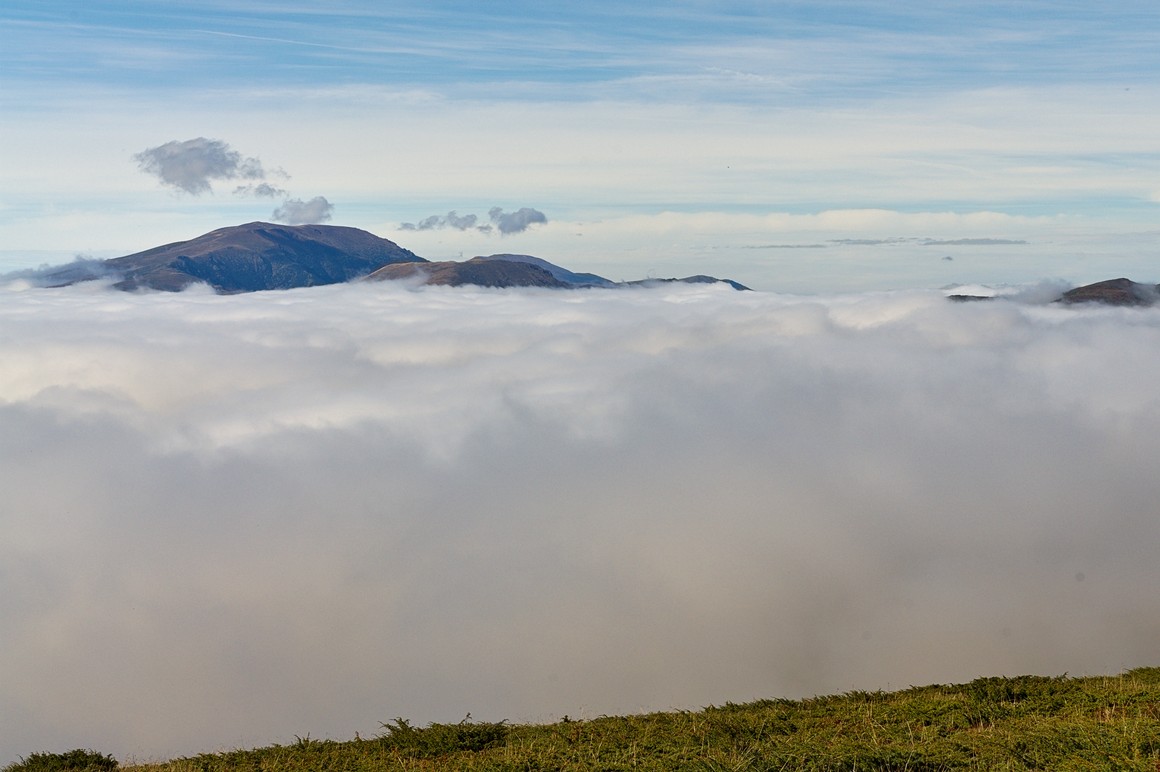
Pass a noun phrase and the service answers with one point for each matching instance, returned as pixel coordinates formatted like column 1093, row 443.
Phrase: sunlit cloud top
column 230, row 520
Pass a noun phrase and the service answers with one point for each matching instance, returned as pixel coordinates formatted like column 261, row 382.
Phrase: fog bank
column 227, row 521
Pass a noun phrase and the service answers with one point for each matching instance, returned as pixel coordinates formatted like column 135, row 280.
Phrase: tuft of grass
column 1010, row 724
column 79, row 759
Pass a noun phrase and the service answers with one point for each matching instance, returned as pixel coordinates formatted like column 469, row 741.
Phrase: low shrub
column 79, row 759
column 442, row 739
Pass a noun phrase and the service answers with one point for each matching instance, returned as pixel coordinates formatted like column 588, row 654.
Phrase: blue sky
column 660, row 139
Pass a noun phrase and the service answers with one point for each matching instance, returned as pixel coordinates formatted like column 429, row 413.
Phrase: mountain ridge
column 260, row 256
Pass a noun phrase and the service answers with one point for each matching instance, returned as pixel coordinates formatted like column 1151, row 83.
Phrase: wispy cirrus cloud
column 793, row 108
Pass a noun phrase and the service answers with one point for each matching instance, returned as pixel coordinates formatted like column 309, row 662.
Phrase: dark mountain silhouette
column 247, row 258
column 263, row 256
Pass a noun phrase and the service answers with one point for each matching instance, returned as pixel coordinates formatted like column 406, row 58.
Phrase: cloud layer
column 225, row 521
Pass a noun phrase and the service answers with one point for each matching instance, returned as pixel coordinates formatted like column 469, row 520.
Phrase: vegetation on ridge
column 1023, row 723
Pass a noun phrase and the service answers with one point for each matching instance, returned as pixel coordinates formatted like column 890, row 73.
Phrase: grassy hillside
column 1024, row 723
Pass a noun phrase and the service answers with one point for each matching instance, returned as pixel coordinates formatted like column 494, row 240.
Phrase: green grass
column 1024, row 723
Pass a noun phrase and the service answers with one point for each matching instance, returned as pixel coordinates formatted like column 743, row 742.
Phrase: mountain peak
column 257, row 256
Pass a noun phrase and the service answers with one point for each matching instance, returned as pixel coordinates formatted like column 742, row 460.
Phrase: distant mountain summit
column 698, row 279
column 251, row 257
column 263, row 256
column 1116, row 292
column 477, row 271
column 1111, row 292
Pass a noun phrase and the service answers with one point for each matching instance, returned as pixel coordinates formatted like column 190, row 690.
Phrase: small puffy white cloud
column 298, row 212
column 436, row 222
column 517, row 221
column 193, row 165
column 506, row 223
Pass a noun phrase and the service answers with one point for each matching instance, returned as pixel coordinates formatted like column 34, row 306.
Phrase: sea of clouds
column 228, row 521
